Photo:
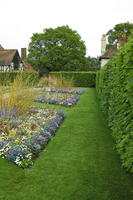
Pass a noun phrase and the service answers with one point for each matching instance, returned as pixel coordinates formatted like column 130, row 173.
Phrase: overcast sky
column 19, row 19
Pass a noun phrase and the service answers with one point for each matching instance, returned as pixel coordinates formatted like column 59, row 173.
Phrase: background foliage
column 94, row 63
column 118, row 32
column 80, row 79
column 115, row 92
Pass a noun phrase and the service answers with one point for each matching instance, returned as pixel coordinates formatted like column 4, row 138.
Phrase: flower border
column 24, row 155
column 69, row 102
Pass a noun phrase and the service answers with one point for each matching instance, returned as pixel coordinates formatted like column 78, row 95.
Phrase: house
column 109, row 53
column 10, row 60
column 106, row 54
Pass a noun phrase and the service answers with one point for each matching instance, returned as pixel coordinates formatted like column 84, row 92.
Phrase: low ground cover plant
column 65, row 99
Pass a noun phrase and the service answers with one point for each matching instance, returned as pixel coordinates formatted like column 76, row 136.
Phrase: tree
column 120, row 31
column 94, row 63
column 59, row 49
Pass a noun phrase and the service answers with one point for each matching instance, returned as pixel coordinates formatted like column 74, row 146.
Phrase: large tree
column 57, row 49
column 120, row 31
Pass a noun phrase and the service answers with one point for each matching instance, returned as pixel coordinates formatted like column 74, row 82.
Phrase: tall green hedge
column 81, row 79
column 114, row 86
column 7, row 77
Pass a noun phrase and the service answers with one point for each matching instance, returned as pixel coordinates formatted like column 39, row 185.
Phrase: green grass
column 78, row 164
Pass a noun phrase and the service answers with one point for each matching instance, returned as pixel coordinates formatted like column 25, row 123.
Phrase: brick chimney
column 103, row 44
column 23, row 53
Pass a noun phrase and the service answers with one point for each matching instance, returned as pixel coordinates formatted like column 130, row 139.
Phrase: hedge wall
column 7, row 77
column 81, row 79
column 114, row 86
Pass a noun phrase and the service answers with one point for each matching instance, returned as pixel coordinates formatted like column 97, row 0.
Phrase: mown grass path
column 78, row 164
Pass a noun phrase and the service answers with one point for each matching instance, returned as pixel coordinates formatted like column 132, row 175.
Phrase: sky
column 19, row 19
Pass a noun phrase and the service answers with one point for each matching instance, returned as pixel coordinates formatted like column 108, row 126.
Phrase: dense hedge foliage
column 81, row 79
column 7, row 77
column 114, row 85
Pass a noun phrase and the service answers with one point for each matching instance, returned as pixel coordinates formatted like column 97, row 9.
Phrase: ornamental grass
column 56, row 82
column 18, row 99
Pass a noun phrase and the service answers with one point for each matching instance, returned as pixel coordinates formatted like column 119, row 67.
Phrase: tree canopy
column 59, row 49
column 120, row 31
column 94, row 62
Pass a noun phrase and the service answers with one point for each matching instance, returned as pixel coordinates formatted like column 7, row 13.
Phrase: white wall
column 10, row 68
column 104, row 62
column 4, row 68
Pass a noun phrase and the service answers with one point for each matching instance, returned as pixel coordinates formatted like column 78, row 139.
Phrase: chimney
column 103, row 44
column 23, row 53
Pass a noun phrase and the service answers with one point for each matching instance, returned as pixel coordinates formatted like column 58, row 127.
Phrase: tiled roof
column 6, row 56
column 110, row 52
column 28, row 67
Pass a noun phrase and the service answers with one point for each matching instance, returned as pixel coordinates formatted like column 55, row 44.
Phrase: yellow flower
column 12, row 132
column 17, row 140
column 29, row 136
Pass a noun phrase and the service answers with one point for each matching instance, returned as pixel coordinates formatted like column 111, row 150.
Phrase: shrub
column 80, row 79
column 8, row 77
column 114, row 87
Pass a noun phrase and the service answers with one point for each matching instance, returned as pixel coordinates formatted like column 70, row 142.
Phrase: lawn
column 79, row 163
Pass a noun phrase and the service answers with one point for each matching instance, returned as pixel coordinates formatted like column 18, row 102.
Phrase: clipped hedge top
column 73, row 72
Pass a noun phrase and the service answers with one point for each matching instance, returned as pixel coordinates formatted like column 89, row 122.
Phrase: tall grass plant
column 18, row 99
column 56, row 82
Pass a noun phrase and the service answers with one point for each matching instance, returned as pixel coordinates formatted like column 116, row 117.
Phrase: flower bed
column 22, row 140
column 67, row 90
column 58, row 98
